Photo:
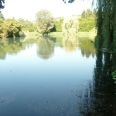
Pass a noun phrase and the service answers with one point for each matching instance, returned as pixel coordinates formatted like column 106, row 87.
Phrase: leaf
column 115, row 82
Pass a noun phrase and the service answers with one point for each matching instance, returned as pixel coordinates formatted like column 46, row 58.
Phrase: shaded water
column 55, row 77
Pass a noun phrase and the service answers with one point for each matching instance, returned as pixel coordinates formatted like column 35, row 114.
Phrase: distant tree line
column 27, row 25
column 87, row 14
column 87, row 21
column 45, row 23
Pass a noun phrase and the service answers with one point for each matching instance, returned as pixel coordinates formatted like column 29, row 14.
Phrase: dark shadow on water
column 99, row 98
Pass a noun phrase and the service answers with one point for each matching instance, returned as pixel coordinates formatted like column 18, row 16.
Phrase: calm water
column 55, row 77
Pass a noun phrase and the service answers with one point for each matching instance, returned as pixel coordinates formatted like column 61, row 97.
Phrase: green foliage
column 114, row 76
column 27, row 25
column 87, row 21
column 2, row 29
column 106, row 24
column 44, row 21
column 58, row 25
column 10, row 28
column 86, row 25
column 14, row 28
column 89, row 14
column 70, row 26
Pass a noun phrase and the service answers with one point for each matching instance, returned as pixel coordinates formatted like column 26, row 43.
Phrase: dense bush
column 14, row 28
column 10, row 28
column 89, row 14
column 2, row 29
column 27, row 25
column 58, row 25
column 86, row 25
column 88, row 20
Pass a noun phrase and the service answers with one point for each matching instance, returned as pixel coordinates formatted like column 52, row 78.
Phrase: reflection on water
column 45, row 47
column 100, row 96
column 87, row 47
column 10, row 46
column 70, row 43
column 75, row 84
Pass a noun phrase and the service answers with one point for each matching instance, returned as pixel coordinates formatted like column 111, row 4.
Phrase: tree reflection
column 100, row 97
column 45, row 47
column 70, row 43
column 87, row 47
column 10, row 46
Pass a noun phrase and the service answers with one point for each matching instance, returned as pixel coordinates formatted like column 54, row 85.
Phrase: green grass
column 31, row 34
column 90, row 34
column 56, row 34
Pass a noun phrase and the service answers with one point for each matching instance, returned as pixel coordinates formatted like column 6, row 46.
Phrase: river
column 55, row 77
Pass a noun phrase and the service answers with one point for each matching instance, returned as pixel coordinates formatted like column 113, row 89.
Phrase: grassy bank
column 91, row 35
column 31, row 34
column 56, row 34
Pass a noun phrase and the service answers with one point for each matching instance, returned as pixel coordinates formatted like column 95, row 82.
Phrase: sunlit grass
column 91, row 35
column 56, row 34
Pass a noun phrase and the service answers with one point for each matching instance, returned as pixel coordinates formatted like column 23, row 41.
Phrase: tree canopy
column 10, row 28
column 1, row 4
column 27, row 25
column 44, row 21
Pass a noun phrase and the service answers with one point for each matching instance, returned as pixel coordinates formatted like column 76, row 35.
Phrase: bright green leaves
column 58, row 25
column 86, row 25
column 10, row 28
column 114, row 76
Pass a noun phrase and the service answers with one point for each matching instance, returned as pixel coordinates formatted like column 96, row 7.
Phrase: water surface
column 53, row 77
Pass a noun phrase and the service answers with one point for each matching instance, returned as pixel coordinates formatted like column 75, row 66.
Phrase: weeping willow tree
column 106, row 24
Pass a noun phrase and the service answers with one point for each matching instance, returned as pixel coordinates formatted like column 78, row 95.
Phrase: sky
column 27, row 9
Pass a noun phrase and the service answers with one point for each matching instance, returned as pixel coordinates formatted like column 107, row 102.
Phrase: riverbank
column 91, row 35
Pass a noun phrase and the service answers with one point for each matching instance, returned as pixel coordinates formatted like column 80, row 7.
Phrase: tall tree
column 44, row 21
